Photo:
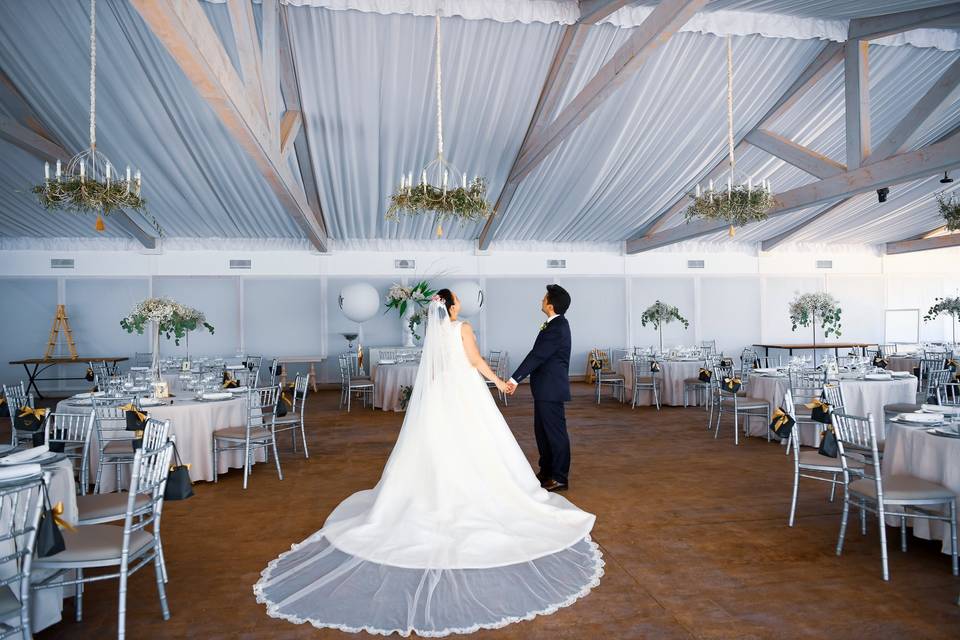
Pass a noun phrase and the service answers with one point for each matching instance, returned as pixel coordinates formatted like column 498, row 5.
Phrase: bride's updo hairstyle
column 447, row 297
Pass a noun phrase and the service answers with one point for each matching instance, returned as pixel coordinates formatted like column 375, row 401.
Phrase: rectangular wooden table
column 311, row 360
column 39, row 365
column 807, row 346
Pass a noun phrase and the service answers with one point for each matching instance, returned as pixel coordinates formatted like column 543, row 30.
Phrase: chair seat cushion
column 240, row 433
column 644, row 380
column 695, row 381
column 119, row 447
column 902, row 488
column 9, row 603
column 901, row 407
column 94, row 506
column 285, row 422
column 814, row 459
column 95, row 543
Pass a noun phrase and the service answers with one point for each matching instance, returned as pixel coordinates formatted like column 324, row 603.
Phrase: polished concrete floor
column 693, row 531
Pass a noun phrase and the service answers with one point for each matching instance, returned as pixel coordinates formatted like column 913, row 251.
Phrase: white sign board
column 901, row 326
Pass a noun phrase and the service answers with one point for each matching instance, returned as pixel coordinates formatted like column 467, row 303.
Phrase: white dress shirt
column 512, row 381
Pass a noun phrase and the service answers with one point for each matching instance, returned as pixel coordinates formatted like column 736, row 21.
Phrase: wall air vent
column 824, row 264
column 61, row 263
column 557, row 263
column 241, row 264
column 404, row 264
column 696, row 264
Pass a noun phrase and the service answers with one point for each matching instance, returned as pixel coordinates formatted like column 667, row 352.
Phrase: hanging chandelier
column 739, row 203
column 89, row 182
column 443, row 191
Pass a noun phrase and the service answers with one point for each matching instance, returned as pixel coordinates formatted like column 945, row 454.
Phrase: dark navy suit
column 548, row 365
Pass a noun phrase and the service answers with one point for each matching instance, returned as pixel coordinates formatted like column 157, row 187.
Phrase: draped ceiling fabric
column 366, row 75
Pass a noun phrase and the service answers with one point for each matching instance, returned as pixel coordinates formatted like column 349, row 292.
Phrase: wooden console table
column 806, row 346
column 35, row 366
column 311, row 360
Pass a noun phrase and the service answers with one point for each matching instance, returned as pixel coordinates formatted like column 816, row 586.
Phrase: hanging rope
column 439, row 92
column 733, row 162
column 93, row 74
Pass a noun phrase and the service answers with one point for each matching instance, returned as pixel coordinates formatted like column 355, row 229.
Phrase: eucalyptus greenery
column 949, row 306
column 738, row 206
column 659, row 314
column 949, row 205
column 92, row 196
column 808, row 309
column 172, row 318
column 463, row 204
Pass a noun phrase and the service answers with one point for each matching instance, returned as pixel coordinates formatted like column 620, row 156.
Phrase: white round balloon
column 471, row 297
column 359, row 302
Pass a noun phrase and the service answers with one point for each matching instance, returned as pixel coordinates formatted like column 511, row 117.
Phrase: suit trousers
column 553, row 443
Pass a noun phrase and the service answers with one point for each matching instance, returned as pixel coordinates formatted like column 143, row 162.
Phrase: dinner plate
column 387, row 362
column 765, row 370
column 48, row 457
column 901, row 374
column 139, row 368
column 878, row 377
column 96, row 394
column 936, row 408
column 216, row 396
column 944, row 433
column 151, row 402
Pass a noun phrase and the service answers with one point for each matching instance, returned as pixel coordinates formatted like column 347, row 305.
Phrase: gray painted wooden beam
column 901, row 168
column 656, row 30
column 931, row 101
column 856, row 96
column 888, row 24
column 924, row 244
column 185, row 31
column 816, row 164
column 593, row 11
column 771, row 243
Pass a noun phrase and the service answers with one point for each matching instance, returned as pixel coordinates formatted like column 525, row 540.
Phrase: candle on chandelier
column 83, row 170
column 46, row 171
column 138, row 181
column 423, row 177
column 698, row 190
column 444, row 179
column 749, row 185
column 464, row 181
column 108, row 174
column 409, row 181
column 58, row 170
column 128, row 176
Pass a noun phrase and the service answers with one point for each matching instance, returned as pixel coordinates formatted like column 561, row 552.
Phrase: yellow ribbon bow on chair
column 57, row 512
column 818, row 404
column 951, row 364
column 30, row 411
column 3, row 400
column 132, row 407
column 730, row 383
column 779, row 419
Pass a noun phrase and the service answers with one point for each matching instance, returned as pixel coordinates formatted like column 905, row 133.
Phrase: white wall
column 287, row 303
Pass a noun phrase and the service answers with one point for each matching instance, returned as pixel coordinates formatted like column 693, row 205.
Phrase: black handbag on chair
column 782, row 423
column 179, row 485
column 705, row 375
column 655, row 366
column 49, row 540
column 732, row 385
column 4, row 407
column 828, row 444
column 136, row 422
column 820, row 411
column 880, row 361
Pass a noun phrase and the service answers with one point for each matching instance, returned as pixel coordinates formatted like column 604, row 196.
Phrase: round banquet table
column 389, row 380
column 46, row 605
column 193, row 423
column 860, row 397
column 911, row 450
column 895, row 363
column 671, row 377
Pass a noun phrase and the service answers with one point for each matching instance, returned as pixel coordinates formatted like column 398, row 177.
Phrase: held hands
column 510, row 388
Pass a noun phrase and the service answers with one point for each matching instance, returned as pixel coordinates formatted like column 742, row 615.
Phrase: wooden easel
column 60, row 321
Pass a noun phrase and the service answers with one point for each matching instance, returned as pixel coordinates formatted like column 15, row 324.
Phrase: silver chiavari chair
column 502, row 371
column 387, row 355
column 295, row 420
column 253, row 366
column 258, row 433
column 867, row 489
column 805, row 387
column 740, row 405
column 126, row 549
column 275, row 371
column 700, row 388
column 349, row 386
column 605, row 375
column 645, row 380
column 808, row 463
column 493, row 361
column 21, row 503
column 72, row 431
column 708, row 347
column 114, row 442
column 17, row 398
column 932, row 390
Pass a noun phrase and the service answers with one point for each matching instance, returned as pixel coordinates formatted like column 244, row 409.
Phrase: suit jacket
column 548, row 363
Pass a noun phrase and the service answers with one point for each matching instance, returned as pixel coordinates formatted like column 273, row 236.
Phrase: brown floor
column 693, row 531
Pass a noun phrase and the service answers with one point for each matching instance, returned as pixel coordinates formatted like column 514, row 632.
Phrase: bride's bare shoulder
column 465, row 328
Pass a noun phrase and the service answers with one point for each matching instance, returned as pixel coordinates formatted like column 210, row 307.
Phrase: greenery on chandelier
column 87, row 195
column 462, row 203
column 739, row 205
column 807, row 309
column 949, row 205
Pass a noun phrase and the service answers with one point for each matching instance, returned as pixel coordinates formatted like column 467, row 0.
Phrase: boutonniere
column 543, row 326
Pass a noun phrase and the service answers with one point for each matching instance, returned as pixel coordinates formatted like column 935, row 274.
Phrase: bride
column 457, row 535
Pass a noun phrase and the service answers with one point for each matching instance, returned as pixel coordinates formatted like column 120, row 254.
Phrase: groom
column 548, row 365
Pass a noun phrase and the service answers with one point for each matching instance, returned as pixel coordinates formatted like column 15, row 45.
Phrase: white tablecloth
column 371, row 362
column 902, row 364
column 389, row 380
column 671, row 377
column 47, row 605
column 193, row 423
column 911, row 450
column 860, row 397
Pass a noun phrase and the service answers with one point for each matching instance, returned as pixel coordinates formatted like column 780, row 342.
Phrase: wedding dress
column 456, row 536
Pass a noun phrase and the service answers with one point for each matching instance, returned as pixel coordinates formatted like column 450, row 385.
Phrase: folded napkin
column 20, row 471
column 23, row 456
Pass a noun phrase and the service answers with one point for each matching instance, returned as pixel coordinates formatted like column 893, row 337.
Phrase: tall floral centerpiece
column 949, row 306
column 166, row 317
column 809, row 308
column 661, row 313
column 410, row 303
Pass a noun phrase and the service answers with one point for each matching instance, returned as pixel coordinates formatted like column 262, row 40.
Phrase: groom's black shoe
column 544, row 478
column 552, row 485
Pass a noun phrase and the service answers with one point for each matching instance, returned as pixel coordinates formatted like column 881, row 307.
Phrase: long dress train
column 456, row 536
